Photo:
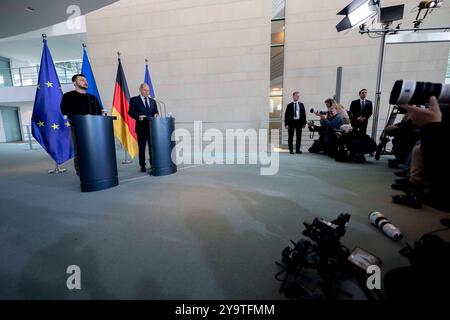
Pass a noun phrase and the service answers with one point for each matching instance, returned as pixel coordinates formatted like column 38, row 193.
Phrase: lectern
column 96, row 151
column 161, row 129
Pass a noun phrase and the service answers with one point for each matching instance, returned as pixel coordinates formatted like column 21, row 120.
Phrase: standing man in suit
column 295, row 120
column 142, row 107
column 361, row 111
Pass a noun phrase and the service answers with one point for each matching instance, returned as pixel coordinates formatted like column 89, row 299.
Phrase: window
column 276, row 64
column 278, row 8
column 447, row 75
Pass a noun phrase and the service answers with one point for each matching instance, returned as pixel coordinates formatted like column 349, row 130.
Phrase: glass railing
column 28, row 76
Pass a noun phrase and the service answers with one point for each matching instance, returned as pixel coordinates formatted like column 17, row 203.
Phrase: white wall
column 209, row 59
column 314, row 50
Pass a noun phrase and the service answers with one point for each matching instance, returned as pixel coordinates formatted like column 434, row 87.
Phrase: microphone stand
column 164, row 105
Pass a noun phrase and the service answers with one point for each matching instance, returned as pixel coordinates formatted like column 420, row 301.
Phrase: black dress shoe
column 402, row 186
column 393, row 164
column 299, row 152
column 402, row 181
column 291, row 152
column 143, row 169
column 409, row 199
column 401, row 174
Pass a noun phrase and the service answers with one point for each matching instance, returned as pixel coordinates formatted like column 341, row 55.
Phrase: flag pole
column 57, row 169
column 126, row 160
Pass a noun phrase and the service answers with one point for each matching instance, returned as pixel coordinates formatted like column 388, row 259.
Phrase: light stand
column 384, row 32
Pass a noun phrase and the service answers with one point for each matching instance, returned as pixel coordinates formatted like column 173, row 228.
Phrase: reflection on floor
column 206, row 232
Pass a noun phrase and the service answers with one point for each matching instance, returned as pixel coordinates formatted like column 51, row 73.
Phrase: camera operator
column 405, row 135
column 318, row 145
column 435, row 146
column 352, row 145
column 414, row 183
column 330, row 123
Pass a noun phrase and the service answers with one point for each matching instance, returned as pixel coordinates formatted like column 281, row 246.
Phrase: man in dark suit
column 295, row 120
column 142, row 107
column 361, row 111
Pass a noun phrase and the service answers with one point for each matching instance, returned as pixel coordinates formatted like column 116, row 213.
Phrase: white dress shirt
column 143, row 100
column 296, row 110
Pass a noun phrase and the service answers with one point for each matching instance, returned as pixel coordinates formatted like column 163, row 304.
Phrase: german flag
column 124, row 125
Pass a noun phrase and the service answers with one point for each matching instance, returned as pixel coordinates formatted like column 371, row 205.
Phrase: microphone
column 157, row 105
column 382, row 223
column 164, row 105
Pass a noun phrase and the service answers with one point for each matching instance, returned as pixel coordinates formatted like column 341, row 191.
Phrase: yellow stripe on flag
column 122, row 132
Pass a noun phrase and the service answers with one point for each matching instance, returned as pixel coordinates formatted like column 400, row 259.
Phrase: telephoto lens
column 312, row 110
column 382, row 223
column 418, row 93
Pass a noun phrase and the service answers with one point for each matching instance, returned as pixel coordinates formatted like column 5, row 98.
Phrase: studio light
column 357, row 13
column 426, row 6
column 430, row 4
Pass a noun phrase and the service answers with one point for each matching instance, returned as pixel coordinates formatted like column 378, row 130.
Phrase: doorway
column 11, row 124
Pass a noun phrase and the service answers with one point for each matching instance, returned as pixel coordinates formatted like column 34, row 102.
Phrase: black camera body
column 325, row 233
column 325, row 240
column 322, row 252
column 312, row 110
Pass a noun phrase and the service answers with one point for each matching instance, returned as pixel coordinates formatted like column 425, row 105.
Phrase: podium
column 161, row 129
column 96, row 151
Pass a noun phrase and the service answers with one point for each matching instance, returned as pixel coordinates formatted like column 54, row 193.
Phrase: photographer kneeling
column 330, row 123
column 352, row 145
column 435, row 146
column 318, row 145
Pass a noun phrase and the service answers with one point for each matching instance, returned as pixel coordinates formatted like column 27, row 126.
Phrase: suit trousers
column 360, row 126
column 297, row 128
column 144, row 139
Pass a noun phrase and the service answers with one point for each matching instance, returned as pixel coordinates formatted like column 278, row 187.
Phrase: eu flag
column 87, row 71
column 49, row 127
column 148, row 81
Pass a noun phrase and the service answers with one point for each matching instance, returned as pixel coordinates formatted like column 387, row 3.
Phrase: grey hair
column 142, row 85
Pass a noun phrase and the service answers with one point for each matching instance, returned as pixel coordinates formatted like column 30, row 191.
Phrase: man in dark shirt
column 79, row 102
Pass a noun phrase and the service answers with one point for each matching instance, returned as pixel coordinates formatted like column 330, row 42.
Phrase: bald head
column 144, row 89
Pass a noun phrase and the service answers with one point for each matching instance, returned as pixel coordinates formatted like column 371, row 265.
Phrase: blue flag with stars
column 87, row 71
column 148, row 81
column 49, row 127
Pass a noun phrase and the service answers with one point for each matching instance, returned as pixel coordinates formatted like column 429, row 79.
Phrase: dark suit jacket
column 137, row 108
column 289, row 115
column 355, row 109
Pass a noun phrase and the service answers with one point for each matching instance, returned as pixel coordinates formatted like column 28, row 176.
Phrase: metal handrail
column 28, row 76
